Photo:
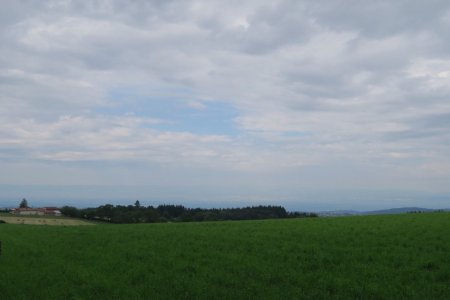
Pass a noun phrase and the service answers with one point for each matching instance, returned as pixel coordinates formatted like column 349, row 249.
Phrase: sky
column 312, row 105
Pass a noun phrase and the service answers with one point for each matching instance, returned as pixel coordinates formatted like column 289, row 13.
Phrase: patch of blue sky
column 179, row 108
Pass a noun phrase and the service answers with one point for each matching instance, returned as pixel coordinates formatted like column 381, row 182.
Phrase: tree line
column 178, row 213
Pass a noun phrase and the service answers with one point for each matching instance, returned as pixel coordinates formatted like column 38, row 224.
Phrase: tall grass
column 369, row 257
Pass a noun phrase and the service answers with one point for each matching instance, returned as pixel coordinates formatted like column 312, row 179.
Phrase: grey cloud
column 379, row 19
column 418, row 133
column 364, row 81
column 272, row 27
column 14, row 11
column 441, row 120
column 427, row 127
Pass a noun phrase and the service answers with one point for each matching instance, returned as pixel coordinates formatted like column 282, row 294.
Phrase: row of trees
column 177, row 213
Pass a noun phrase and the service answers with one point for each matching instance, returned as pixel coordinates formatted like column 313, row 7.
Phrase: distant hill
column 399, row 210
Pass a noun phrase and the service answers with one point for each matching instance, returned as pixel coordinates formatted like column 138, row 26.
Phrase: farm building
column 28, row 211
column 53, row 211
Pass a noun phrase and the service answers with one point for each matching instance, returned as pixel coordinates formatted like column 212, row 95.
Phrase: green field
column 368, row 257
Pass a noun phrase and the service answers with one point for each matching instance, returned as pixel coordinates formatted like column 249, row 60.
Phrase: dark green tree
column 23, row 203
column 70, row 211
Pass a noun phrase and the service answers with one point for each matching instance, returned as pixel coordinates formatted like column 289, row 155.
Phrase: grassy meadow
column 363, row 257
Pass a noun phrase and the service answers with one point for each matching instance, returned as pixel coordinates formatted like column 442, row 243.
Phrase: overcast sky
column 309, row 104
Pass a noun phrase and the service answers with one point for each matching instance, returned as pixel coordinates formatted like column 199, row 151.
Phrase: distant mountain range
column 390, row 211
column 399, row 210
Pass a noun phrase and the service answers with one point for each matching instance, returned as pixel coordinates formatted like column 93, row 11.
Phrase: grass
column 367, row 257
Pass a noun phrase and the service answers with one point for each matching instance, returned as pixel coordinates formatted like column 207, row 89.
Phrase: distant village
column 24, row 209
column 41, row 211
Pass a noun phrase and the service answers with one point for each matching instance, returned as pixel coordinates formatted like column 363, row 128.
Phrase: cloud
column 281, row 86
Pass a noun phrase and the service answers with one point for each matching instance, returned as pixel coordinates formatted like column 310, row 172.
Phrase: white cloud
column 313, row 83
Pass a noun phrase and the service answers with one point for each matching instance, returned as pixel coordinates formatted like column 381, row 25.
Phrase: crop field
column 42, row 220
column 364, row 257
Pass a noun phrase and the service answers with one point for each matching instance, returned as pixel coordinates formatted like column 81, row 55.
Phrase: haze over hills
column 398, row 210
column 300, row 199
column 7, row 204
